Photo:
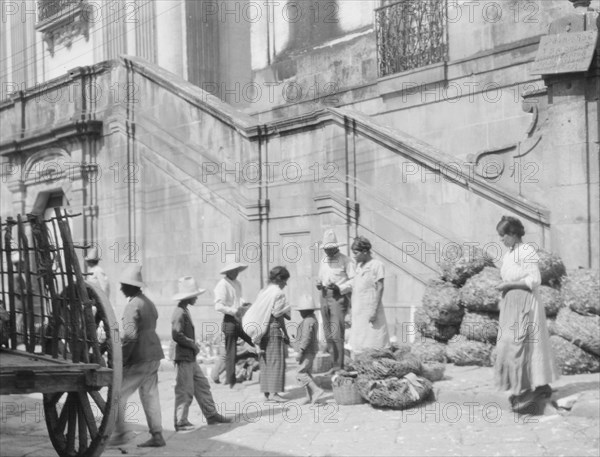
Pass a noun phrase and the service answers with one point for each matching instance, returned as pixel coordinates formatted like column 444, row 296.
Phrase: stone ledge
column 412, row 79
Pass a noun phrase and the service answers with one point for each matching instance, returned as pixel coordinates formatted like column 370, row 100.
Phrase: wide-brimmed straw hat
column 330, row 240
column 306, row 303
column 187, row 288
column 132, row 275
column 92, row 254
column 233, row 266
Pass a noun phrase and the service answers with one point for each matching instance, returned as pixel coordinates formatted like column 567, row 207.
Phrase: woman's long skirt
column 272, row 360
column 524, row 358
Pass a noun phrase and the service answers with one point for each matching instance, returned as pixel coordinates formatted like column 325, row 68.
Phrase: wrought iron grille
column 411, row 34
column 49, row 8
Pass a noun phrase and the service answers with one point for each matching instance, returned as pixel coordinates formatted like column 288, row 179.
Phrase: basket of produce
column 322, row 363
column 345, row 390
column 433, row 371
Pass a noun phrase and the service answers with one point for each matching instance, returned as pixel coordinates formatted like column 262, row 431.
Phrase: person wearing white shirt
column 228, row 300
column 95, row 272
column 335, row 274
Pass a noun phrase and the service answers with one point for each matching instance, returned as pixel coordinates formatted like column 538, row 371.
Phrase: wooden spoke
column 52, row 399
column 82, row 425
column 98, row 400
column 62, row 420
column 72, row 425
column 88, row 415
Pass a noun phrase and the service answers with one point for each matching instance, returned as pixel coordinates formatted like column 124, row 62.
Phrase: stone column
column 571, row 149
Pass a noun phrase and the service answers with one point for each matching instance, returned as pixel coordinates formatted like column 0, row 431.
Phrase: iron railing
column 48, row 8
column 411, row 34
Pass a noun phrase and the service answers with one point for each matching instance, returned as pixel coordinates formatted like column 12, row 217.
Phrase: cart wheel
column 80, row 423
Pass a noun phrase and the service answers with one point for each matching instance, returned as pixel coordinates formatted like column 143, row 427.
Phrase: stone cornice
column 44, row 138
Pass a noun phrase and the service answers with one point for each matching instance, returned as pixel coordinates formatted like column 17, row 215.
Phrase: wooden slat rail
column 22, row 373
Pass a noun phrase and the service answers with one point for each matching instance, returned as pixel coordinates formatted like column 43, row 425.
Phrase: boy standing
column 307, row 346
column 190, row 380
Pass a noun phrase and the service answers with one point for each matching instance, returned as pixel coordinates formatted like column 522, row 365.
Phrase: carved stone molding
column 517, row 150
column 62, row 21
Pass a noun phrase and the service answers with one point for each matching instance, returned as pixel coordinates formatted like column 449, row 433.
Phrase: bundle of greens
column 467, row 352
column 571, row 359
column 581, row 291
column 479, row 292
column 428, row 350
column 396, row 393
column 582, row 331
column 461, row 265
column 552, row 268
column 441, row 302
column 481, row 327
column 551, row 299
column 430, row 329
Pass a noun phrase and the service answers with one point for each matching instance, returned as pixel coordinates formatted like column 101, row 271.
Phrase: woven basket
column 322, row 363
column 434, row 371
column 345, row 391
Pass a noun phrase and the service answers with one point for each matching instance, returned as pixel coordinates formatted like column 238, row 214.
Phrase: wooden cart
column 60, row 337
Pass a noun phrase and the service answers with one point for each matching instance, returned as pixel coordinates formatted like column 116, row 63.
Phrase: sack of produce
column 552, row 300
column 382, row 368
column 479, row 292
column 480, row 327
column 396, row 393
column 458, row 265
column 429, row 350
column 468, row 352
column 441, row 302
column 581, row 291
column 552, row 268
column 582, row 331
column 430, row 329
column 571, row 359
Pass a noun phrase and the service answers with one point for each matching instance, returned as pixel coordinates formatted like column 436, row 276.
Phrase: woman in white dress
column 369, row 325
column 525, row 365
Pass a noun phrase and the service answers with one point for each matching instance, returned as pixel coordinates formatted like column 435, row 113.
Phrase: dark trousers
column 233, row 330
column 333, row 310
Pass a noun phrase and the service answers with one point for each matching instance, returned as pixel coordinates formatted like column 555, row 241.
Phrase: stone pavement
column 467, row 418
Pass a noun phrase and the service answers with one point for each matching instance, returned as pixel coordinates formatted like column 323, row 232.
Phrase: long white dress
column 525, row 359
column 364, row 335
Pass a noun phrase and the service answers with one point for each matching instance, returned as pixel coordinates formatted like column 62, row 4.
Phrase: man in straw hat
column 334, row 282
column 96, row 274
column 142, row 353
column 228, row 300
column 190, row 381
column 307, row 346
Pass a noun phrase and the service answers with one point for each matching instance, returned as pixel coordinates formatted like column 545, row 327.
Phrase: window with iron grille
column 411, row 34
column 48, row 8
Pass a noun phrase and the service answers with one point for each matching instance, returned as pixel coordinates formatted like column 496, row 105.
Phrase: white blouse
column 521, row 263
